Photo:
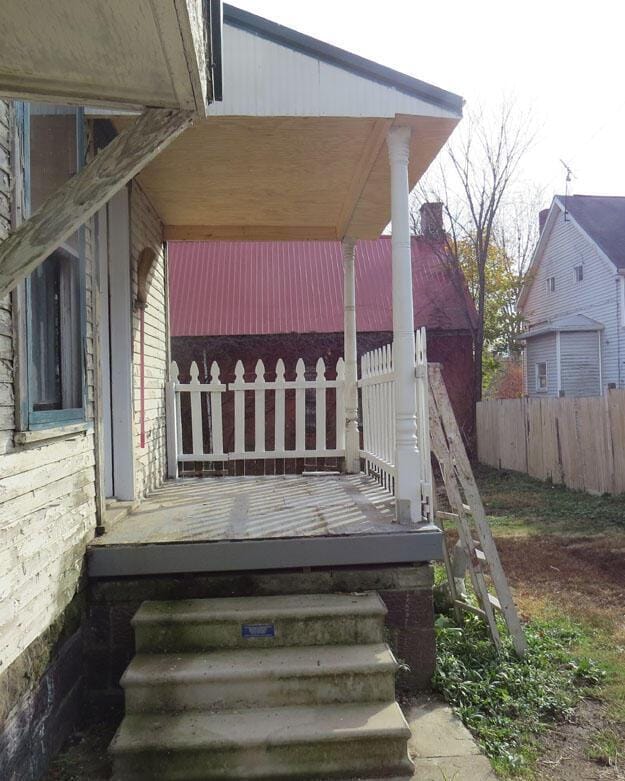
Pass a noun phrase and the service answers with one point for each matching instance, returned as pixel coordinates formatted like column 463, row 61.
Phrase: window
column 541, row 377
column 579, row 273
column 53, row 295
column 551, row 284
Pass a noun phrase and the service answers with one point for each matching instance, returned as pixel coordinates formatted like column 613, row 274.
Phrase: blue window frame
column 54, row 319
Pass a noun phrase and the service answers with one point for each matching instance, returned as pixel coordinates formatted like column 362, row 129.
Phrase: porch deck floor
column 253, row 508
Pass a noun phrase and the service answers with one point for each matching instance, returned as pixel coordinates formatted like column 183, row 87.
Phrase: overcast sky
column 565, row 60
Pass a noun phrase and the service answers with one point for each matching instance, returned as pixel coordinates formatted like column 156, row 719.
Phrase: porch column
column 407, row 464
column 352, row 435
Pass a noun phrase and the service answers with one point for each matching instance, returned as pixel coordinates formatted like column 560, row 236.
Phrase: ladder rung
column 480, row 554
column 494, row 601
column 470, row 608
column 443, row 516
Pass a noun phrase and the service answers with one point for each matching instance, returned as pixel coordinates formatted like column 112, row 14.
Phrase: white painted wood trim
column 407, row 458
column 57, row 432
column 558, row 365
column 122, row 386
column 350, row 391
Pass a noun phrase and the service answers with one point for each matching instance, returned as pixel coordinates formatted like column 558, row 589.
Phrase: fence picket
column 196, row 411
column 279, row 428
column 217, row 425
column 320, row 407
column 300, row 406
column 239, row 407
column 340, row 405
column 259, row 408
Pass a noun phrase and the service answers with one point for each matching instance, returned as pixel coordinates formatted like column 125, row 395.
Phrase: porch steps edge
column 327, row 741
column 260, row 678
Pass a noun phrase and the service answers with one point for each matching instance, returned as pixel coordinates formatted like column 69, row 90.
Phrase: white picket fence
column 207, row 420
column 205, row 416
column 377, row 398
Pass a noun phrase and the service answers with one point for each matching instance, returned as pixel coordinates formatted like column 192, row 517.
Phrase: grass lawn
column 564, row 554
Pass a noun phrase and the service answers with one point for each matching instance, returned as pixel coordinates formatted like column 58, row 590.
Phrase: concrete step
column 259, row 622
column 260, row 678
column 323, row 742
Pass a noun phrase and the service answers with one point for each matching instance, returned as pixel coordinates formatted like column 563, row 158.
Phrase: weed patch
column 505, row 701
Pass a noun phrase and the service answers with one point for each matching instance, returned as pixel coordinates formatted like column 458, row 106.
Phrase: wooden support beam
column 249, row 232
column 82, row 195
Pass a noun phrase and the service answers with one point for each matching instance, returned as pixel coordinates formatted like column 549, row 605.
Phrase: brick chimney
column 432, row 220
column 542, row 219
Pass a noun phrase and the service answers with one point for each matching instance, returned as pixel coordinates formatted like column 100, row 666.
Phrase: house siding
column 146, row 230
column 579, row 363
column 7, row 406
column 47, row 517
column 541, row 349
column 596, row 296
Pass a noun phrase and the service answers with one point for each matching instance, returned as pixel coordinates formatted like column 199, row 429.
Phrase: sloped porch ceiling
column 133, row 53
column 297, row 148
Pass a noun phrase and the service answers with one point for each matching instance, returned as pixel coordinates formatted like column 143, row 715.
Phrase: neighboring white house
column 574, row 299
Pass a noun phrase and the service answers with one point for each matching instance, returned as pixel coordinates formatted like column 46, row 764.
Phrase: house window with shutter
column 52, row 318
column 541, row 377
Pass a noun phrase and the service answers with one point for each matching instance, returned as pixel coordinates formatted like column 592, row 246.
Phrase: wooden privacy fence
column 203, row 425
column 577, row 442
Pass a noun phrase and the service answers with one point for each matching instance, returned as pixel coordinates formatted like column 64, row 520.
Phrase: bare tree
column 475, row 181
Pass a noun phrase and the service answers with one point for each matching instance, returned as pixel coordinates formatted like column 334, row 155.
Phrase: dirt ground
column 580, row 574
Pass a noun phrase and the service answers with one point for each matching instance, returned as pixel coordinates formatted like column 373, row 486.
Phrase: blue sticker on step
column 258, row 630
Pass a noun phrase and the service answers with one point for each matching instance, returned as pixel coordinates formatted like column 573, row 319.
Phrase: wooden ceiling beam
column 86, row 192
column 250, row 232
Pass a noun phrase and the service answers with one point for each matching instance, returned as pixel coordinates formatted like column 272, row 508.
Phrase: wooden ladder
column 476, row 549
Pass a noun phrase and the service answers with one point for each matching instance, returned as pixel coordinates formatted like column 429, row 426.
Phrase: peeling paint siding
column 146, row 230
column 595, row 296
column 7, row 408
column 47, row 490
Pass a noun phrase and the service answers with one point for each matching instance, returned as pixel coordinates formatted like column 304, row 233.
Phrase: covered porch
column 309, row 142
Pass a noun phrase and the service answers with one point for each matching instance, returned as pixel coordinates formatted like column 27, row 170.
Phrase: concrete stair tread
column 259, row 609
column 261, row 727
column 251, row 664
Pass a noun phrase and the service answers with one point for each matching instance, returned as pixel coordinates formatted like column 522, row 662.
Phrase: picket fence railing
column 196, row 417
column 206, row 418
column 377, row 399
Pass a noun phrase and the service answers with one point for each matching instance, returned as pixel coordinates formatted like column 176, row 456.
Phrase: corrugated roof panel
column 227, row 288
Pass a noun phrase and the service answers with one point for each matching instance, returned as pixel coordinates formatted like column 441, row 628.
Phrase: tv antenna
column 569, row 176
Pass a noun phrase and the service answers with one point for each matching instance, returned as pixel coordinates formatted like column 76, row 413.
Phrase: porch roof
column 296, row 150
column 562, row 324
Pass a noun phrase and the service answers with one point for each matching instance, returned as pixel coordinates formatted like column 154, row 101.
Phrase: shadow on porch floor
column 265, row 507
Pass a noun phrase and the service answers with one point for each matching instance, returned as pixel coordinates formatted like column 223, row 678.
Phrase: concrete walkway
column 441, row 747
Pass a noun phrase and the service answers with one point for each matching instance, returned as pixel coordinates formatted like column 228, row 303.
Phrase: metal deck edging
column 270, row 554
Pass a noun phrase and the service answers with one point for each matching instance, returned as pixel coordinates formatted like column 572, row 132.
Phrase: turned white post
column 352, row 435
column 407, row 464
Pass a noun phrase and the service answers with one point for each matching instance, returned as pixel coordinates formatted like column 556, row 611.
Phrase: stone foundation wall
column 109, row 641
column 41, row 698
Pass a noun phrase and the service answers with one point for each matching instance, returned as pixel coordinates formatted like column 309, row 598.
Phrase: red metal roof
column 245, row 287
